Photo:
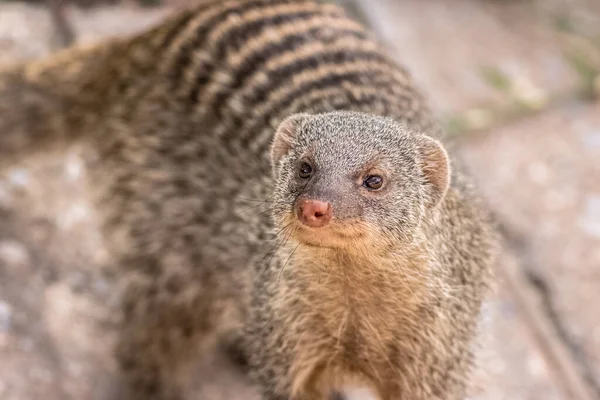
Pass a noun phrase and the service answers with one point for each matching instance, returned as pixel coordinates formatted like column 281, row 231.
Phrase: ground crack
column 543, row 292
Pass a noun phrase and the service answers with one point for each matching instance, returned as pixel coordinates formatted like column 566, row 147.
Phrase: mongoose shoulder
column 267, row 172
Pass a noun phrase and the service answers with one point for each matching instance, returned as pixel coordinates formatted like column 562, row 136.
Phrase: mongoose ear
column 284, row 138
column 435, row 165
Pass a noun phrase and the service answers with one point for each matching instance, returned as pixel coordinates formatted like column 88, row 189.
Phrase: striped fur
column 245, row 64
column 182, row 117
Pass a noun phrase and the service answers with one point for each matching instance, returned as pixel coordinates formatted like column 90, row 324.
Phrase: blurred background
column 517, row 84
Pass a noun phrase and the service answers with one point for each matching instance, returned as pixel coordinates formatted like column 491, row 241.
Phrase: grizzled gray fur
column 269, row 175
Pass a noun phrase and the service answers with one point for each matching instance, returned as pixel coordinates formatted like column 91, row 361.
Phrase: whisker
column 270, row 254
column 275, row 236
column 287, row 261
column 253, row 207
column 281, row 244
column 281, row 230
column 268, row 210
column 254, row 200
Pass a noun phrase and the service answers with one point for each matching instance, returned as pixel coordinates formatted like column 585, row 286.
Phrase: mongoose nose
column 314, row 213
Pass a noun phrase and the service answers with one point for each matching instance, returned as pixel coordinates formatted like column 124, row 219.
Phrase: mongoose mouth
column 335, row 234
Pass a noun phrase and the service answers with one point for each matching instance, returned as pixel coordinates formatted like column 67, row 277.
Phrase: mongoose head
column 348, row 179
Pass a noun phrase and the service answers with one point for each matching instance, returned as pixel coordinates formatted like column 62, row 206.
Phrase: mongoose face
column 347, row 179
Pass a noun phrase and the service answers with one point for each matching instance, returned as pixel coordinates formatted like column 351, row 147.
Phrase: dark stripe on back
column 337, row 57
column 287, row 106
column 198, row 41
column 235, row 38
column 258, row 59
column 279, row 76
column 178, row 27
column 318, row 84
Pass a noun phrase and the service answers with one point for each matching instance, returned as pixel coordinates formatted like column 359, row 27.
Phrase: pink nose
column 314, row 213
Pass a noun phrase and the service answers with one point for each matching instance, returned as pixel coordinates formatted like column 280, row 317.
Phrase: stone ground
column 516, row 82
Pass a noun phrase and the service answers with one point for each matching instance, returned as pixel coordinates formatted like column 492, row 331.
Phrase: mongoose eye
column 373, row 182
column 305, row 171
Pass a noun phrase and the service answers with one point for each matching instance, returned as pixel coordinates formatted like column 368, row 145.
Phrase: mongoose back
column 268, row 173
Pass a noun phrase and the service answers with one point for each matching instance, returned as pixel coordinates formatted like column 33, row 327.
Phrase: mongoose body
column 267, row 172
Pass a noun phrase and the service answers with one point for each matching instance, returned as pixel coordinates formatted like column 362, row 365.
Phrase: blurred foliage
column 495, row 77
column 587, row 70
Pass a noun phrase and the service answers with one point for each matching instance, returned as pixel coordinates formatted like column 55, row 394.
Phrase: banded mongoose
column 268, row 173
